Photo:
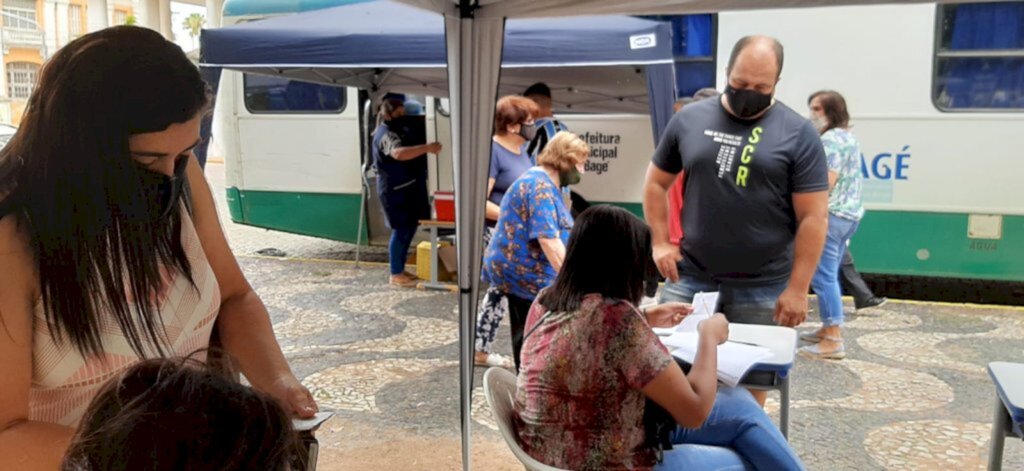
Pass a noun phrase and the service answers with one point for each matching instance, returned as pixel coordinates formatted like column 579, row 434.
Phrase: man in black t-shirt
column 756, row 193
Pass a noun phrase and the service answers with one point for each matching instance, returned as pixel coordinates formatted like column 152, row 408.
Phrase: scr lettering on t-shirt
column 747, row 156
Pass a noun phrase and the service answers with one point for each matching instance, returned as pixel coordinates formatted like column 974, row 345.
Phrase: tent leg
column 362, row 218
column 474, row 63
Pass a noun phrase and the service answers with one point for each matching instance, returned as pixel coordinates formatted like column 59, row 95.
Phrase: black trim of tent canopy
column 467, row 8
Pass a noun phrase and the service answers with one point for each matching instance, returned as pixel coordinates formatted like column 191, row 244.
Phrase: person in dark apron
column 401, row 185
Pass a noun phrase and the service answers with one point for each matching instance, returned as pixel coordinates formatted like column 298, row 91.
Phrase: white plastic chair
column 500, row 390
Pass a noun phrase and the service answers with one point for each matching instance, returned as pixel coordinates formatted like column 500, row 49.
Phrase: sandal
column 811, row 337
column 403, row 281
column 500, row 361
column 814, row 351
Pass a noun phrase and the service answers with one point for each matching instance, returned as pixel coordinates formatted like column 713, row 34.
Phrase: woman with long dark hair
column 590, row 359
column 110, row 243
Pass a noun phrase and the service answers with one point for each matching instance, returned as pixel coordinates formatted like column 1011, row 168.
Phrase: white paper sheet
column 703, row 307
column 734, row 359
column 313, row 422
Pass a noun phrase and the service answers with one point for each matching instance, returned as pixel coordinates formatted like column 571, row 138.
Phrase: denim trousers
column 398, row 248
column 737, row 435
column 740, row 303
column 826, row 279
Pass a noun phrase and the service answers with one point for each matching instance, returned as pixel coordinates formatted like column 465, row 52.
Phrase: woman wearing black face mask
column 401, row 185
column 513, row 130
column 110, row 243
column 528, row 245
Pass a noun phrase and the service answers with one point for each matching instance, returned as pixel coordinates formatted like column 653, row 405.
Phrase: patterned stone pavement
column 911, row 395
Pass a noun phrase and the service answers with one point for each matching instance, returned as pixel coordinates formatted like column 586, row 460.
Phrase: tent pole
column 366, row 113
column 474, row 47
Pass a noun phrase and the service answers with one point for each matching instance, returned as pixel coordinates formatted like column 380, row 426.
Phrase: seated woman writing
column 590, row 358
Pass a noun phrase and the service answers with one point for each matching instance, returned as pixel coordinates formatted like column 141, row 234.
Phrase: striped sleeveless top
column 63, row 382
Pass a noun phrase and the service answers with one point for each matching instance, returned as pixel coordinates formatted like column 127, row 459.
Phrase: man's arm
column 812, row 224
column 656, row 185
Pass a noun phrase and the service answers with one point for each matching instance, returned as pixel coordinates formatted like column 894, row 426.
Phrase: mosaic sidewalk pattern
column 911, row 395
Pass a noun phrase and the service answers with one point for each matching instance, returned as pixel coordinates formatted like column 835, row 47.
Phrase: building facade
column 33, row 29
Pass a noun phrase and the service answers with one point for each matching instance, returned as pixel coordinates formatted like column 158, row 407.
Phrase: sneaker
column 874, row 302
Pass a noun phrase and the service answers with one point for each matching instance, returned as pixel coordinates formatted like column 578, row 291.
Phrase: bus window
column 979, row 63
column 694, row 43
column 265, row 94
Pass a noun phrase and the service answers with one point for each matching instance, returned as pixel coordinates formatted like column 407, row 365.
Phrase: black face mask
column 164, row 192
column 746, row 103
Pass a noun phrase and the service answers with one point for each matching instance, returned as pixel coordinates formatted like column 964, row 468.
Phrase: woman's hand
column 667, row 314
column 715, row 328
column 293, row 397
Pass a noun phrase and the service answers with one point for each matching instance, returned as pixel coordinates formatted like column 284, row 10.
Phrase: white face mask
column 819, row 122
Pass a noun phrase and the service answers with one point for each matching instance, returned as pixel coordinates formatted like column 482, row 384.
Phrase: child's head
column 177, row 414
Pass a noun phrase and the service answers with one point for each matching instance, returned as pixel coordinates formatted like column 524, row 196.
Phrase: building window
column 979, row 57
column 265, row 94
column 21, row 79
column 75, row 20
column 120, row 17
column 20, row 14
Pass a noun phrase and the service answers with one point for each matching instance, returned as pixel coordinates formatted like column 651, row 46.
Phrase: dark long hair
column 68, row 178
column 176, row 414
column 609, row 253
column 834, row 106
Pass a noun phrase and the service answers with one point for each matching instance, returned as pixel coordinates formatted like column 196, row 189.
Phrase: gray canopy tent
column 595, row 63
column 475, row 33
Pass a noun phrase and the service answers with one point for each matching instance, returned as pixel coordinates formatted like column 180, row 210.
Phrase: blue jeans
column 826, row 278
column 398, row 248
column 737, row 435
column 740, row 303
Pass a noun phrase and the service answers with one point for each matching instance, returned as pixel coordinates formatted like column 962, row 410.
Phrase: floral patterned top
column 843, row 152
column 578, row 394
column 532, row 208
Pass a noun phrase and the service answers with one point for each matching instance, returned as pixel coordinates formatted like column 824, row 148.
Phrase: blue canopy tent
column 596, row 63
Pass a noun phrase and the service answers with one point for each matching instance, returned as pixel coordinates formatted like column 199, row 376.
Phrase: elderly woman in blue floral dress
column 528, row 245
